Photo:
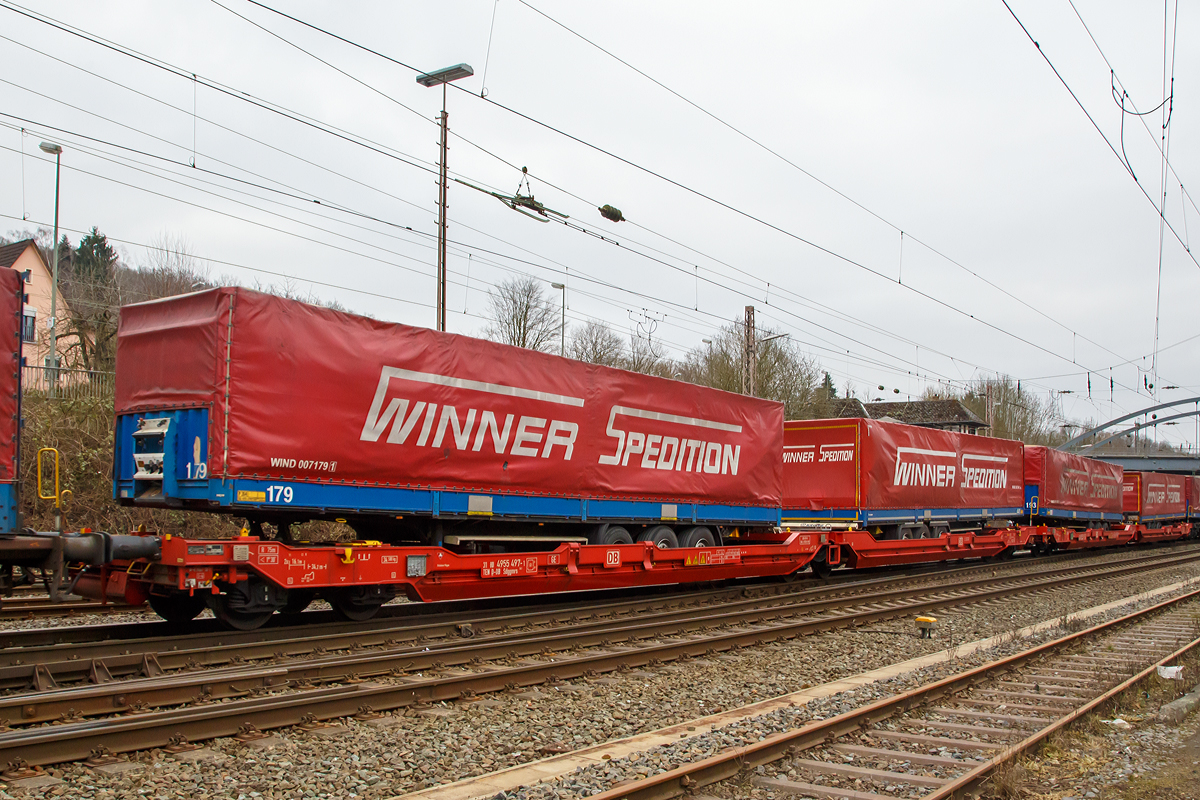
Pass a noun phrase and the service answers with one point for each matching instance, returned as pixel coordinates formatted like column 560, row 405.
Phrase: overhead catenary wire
column 1139, row 115
column 652, row 232
column 778, row 155
column 1166, row 152
column 843, row 258
column 408, row 228
column 1158, row 209
column 273, row 107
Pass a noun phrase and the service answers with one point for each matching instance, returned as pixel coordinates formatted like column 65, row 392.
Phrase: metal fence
column 67, row 384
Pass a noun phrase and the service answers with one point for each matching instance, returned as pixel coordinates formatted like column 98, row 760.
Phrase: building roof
column 926, row 412
column 844, row 408
column 9, row 253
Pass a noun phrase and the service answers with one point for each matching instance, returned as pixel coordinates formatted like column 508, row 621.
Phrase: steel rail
column 18, row 607
column 729, row 763
column 73, row 740
column 99, row 663
column 14, row 642
column 967, row 785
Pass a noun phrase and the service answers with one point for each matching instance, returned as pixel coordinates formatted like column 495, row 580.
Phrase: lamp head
column 51, row 148
column 438, row 77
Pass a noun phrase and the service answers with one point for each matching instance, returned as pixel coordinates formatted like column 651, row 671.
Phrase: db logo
column 612, row 558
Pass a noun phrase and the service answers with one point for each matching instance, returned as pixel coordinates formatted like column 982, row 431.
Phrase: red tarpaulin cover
column 1193, row 493
column 323, row 396
column 1155, row 494
column 1131, row 493
column 859, row 463
column 12, row 309
column 1070, row 482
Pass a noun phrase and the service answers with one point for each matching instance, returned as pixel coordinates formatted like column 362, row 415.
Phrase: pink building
column 24, row 256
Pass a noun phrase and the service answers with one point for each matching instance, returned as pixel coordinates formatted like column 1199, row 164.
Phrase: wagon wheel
column 356, row 605
column 820, row 565
column 237, row 618
column 246, row 605
column 297, row 601
column 178, row 607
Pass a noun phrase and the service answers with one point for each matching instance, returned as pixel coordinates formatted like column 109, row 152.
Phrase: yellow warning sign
column 245, row 496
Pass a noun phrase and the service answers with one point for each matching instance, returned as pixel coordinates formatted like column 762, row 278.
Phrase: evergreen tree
column 828, row 388
column 95, row 258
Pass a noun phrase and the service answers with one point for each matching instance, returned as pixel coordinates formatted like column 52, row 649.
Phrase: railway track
column 285, row 688
column 40, row 605
column 947, row 738
column 208, row 632
column 49, row 666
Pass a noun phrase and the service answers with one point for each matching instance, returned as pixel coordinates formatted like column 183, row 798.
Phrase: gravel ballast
column 447, row 743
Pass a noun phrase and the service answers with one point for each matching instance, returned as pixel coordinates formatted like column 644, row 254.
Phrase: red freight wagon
column 898, row 480
column 1062, row 485
column 1193, row 495
column 1152, row 496
column 238, row 401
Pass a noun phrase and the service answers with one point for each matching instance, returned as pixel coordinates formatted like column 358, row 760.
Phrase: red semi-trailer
column 896, row 494
column 1064, row 486
column 897, row 478
column 1155, row 505
column 468, row 468
column 1154, row 497
column 282, row 411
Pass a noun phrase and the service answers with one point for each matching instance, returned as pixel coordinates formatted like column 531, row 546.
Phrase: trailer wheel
column 178, row 608
column 698, row 536
column 662, row 537
column 612, row 534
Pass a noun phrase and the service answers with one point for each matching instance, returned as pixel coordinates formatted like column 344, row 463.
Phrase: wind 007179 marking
column 302, row 463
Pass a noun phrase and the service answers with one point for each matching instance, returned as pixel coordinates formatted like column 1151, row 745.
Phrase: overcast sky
column 1028, row 248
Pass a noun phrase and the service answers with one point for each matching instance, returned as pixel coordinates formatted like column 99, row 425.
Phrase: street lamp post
column 442, row 77
column 562, row 327
column 56, row 151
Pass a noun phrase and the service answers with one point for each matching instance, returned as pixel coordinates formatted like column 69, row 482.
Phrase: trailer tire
column 662, row 537
column 698, row 536
column 178, row 608
column 611, row 534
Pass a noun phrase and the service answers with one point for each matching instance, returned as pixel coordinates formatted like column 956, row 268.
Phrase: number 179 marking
column 276, row 494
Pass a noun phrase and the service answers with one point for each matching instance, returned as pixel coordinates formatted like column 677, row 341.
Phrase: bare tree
column 519, row 314
column 169, row 269
column 1014, row 412
column 782, row 373
column 596, row 343
column 648, row 358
